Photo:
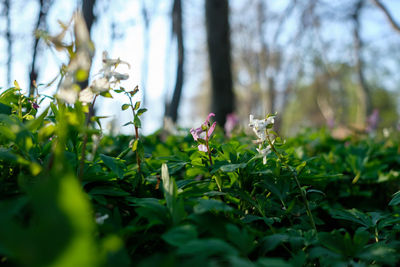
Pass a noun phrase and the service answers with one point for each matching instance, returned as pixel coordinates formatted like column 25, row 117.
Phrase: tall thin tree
column 364, row 92
column 7, row 8
column 219, row 50
column 44, row 6
column 88, row 15
column 177, row 29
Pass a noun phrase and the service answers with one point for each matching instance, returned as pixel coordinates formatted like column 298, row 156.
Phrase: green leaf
column 141, row 111
column 106, row 94
column 128, row 123
column 137, row 105
column 170, row 189
column 233, row 167
column 34, row 125
column 135, row 145
column 205, row 205
column 137, row 121
column 395, row 200
column 206, row 248
column 125, row 106
column 180, row 235
column 116, row 165
column 108, row 191
column 62, row 225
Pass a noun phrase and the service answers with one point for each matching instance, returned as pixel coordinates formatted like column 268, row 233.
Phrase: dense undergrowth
column 178, row 209
column 71, row 195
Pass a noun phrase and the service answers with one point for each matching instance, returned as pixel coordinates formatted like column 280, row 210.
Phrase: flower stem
column 208, row 149
column 85, row 139
column 303, row 195
column 138, row 160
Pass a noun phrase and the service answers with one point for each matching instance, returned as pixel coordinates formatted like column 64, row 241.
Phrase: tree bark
column 219, row 50
column 40, row 24
column 177, row 28
column 88, row 15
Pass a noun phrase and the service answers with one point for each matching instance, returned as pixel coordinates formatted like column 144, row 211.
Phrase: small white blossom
column 86, row 95
column 264, row 152
column 68, row 95
column 100, row 85
column 101, row 219
column 259, row 126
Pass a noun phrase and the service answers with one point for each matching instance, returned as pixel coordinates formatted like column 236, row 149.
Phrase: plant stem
column 208, row 149
column 85, row 139
column 138, row 160
column 303, row 195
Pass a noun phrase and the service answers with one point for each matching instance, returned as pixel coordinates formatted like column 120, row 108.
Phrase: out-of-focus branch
column 389, row 17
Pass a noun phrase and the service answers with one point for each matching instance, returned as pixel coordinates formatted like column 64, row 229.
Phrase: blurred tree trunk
column 364, row 92
column 44, row 6
column 88, row 15
column 177, row 29
column 8, row 38
column 146, row 48
column 219, row 49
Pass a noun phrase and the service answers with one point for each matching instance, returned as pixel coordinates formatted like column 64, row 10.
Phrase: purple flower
column 202, row 147
column 373, row 120
column 205, row 128
column 34, row 104
column 211, row 130
column 231, row 121
column 196, row 133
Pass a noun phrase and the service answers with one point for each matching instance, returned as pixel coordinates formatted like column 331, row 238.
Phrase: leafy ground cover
column 72, row 196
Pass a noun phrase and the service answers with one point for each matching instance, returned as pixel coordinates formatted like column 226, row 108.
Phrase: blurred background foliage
column 316, row 63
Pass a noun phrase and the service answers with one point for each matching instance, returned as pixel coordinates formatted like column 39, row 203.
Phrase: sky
column 129, row 46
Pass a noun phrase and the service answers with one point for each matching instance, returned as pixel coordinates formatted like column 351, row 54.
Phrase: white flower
column 264, row 152
column 259, row 126
column 109, row 62
column 68, row 94
column 120, row 76
column 86, row 95
column 101, row 219
column 100, row 85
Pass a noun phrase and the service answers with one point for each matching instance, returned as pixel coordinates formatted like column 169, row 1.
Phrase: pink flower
column 202, row 148
column 196, row 133
column 373, row 120
column 211, row 130
column 207, row 128
column 231, row 121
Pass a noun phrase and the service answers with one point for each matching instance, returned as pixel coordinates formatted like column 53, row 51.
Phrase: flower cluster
column 260, row 128
column 206, row 128
column 108, row 77
column 80, row 63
